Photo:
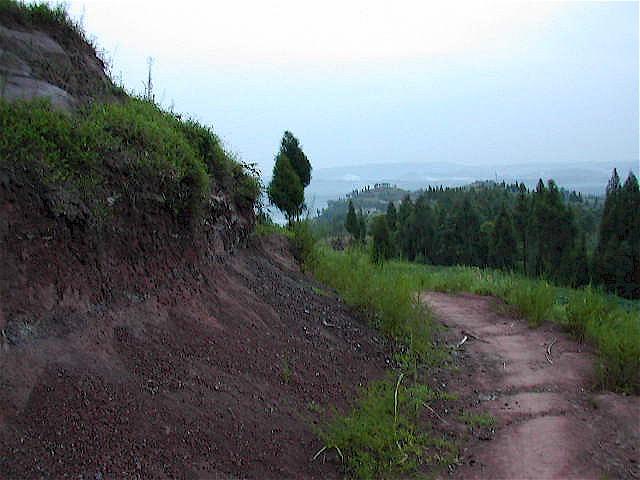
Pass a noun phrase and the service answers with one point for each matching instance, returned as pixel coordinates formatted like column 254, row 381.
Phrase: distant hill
column 488, row 196
column 335, row 182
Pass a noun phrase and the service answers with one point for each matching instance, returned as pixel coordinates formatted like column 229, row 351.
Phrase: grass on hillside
column 611, row 324
column 381, row 436
column 133, row 140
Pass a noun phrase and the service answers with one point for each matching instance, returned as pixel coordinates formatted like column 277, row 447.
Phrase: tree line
column 544, row 232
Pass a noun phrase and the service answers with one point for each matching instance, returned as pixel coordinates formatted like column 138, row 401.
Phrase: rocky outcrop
column 33, row 64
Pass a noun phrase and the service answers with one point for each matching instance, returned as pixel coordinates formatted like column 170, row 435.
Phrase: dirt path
column 549, row 421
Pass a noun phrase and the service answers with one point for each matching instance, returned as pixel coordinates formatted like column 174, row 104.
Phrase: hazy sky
column 379, row 81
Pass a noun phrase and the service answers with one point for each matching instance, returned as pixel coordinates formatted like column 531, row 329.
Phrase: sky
column 362, row 82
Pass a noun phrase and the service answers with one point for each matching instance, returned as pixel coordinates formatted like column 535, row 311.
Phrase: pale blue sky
column 487, row 83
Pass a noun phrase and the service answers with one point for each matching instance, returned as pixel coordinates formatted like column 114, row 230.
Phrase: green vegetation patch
column 123, row 145
column 380, row 436
column 386, row 295
column 481, row 420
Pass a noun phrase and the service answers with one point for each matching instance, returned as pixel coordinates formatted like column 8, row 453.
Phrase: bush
column 304, row 243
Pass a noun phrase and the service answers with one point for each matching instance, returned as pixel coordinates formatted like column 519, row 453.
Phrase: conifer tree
column 580, row 264
column 285, row 190
column 381, row 248
column 423, row 229
column 392, row 217
column 406, row 220
column 630, row 199
column 605, row 257
column 466, row 226
column 521, row 222
column 503, row 247
column 362, row 227
column 351, row 223
column 538, row 222
column 290, row 146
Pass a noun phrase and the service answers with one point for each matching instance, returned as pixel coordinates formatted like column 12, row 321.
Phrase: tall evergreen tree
column 630, row 199
column 406, row 221
column 521, row 218
column 580, row 263
column 285, row 190
column 558, row 236
column 605, row 262
column 362, row 227
column 351, row 223
column 423, row 230
column 381, row 248
column 538, row 224
column 290, row 146
column 392, row 217
column 503, row 247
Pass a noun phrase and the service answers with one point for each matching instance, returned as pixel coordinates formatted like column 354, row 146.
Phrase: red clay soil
column 220, row 371
column 550, row 422
column 152, row 346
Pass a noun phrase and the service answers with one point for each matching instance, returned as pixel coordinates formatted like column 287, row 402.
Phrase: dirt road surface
column 551, row 421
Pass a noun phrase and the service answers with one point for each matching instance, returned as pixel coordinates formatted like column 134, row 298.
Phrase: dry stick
column 548, row 352
column 475, row 337
column 395, row 399
column 461, row 342
column 435, row 413
column 328, row 448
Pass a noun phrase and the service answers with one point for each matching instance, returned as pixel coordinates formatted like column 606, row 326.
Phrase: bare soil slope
column 151, row 349
column 550, row 422
column 218, row 374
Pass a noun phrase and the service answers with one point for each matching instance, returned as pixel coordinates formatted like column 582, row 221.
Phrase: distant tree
column 285, row 190
column 466, row 225
column 538, row 222
column 423, row 230
column 503, row 246
column 521, row 222
column 392, row 217
column 609, row 239
column 617, row 255
column 406, row 221
column 580, row 264
column 630, row 225
column 351, row 223
column 290, row 146
column 381, row 248
column 487, row 230
column 362, row 224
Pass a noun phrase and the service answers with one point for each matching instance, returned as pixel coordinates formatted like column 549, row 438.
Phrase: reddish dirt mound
column 550, row 424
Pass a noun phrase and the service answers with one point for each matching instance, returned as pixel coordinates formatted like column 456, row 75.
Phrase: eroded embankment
column 537, row 383
column 148, row 350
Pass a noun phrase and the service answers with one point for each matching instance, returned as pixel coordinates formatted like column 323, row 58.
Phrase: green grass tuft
column 380, row 436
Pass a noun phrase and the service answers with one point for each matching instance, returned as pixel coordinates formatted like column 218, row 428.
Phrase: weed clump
column 380, row 436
